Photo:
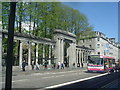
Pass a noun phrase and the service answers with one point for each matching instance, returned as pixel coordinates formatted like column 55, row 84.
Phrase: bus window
column 110, row 62
column 102, row 61
column 99, row 62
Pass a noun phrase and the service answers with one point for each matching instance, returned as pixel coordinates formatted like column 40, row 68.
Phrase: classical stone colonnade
column 82, row 55
column 63, row 47
column 29, row 58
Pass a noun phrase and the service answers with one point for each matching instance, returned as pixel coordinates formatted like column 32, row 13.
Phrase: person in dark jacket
column 82, row 65
column 23, row 65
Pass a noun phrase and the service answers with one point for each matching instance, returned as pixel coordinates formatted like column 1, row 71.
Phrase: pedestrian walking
column 54, row 65
column 45, row 64
column 78, row 65
column 62, row 66
column 59, row 64
column 37, row 66
column 74, row 65
column 23, row 65
column 32, row 65
column 82, row 65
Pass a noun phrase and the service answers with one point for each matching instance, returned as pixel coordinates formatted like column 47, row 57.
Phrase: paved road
column 50, row 78
column 105, row 82
column 47, row 79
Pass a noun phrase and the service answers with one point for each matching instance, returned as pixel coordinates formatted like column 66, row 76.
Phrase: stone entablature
column 65, row 33
column 27, row 38
column 56, row 48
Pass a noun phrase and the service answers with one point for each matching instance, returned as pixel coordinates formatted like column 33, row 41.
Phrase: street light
column 8, row 82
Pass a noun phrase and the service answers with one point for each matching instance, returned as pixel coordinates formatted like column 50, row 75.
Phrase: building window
column 98, row 53
column 98, row 45
column 107, row 45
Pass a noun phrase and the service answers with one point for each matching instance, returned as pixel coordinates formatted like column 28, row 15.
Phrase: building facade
column 102, row 45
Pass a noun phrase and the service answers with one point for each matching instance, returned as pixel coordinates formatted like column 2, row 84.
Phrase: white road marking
column 67, row 83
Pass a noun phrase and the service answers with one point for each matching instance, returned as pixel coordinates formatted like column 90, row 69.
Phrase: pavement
column 51, row 77
column 27, row 72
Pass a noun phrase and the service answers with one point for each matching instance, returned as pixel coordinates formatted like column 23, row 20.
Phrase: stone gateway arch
column 62, row 48
column 65, row 48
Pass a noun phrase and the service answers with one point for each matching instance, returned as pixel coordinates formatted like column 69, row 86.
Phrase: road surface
column 75, row 78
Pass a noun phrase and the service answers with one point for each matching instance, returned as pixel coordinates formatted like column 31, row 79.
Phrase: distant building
column 102, row 45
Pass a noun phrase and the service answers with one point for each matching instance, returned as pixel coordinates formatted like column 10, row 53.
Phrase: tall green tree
column 44, row 17
column 5, row 14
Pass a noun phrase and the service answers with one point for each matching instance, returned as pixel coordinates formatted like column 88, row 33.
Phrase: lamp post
column 8, row 82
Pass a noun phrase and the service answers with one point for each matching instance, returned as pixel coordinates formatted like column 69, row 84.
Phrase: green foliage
column 5, row 14
column 44, row 17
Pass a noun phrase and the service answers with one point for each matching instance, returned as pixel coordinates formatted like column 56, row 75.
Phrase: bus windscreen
column 95, row 60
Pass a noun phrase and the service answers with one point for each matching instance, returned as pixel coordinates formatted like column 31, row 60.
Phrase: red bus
column 100, row 63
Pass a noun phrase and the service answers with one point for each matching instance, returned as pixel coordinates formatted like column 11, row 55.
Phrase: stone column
column 29, row 54
column 43, row 53
column 62, row 51
column 1, row 72
column 49, row 62
column 72, row 54
column 21, row 54
column 82, row 56
column 59, row 53
column 87, row 56
column 53, row 53
column 76, row 56
column 79, row 55
column 36, row 53
column 0, row 45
